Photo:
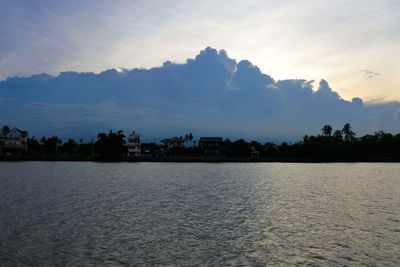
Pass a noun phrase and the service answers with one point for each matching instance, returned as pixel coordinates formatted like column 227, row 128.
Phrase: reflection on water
column 69, row 213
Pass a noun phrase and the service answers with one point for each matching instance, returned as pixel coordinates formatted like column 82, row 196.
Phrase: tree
column 326, row 130
column 337, row 136
column 190, row 137
column 5, row 130
column 349, row 135
column 226, row 147
column 284, row 149
column 50, row 144
column 240, row 149
column 86, row 150
column 33, row 146
column 70, row 147
column 110, row 147
column 186, row 138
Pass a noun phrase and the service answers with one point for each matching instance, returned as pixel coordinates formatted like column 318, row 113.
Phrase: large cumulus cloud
column 211, row 94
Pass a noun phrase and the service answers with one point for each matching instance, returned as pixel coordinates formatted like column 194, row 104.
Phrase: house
column 211, row 145
column 134, row 146
column 15, row 139
column 270, row 150
column 173, row 142
column 254, row 154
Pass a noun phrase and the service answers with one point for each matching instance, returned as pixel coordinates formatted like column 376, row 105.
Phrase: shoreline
column 213, row 160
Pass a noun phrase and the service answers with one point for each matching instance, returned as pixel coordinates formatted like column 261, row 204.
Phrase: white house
column 173, row 142
column 14, row 139
column 134, row 145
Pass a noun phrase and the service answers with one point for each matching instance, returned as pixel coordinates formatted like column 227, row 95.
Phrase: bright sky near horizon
column 354, row 45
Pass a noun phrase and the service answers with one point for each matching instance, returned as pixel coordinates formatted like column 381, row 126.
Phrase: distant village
column 330, row 145
column 15, row 142
column 206, row 146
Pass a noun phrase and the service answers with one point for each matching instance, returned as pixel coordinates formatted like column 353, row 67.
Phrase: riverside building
column 134, row 146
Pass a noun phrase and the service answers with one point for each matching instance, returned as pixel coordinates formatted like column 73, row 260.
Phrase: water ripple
column 275, row 214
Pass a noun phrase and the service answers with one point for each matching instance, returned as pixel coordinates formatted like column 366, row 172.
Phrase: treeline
column 108, row 147
column 343, row 145
column 330, row 145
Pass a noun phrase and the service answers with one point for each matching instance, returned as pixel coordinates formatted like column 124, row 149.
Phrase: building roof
column 210, row 140
column 271, row 147
column 173, row 139
column 15, row 133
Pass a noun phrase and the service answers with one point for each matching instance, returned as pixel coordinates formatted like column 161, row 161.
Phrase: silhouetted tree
column 190, row 137
column 327, row 130
column 86, row 150
column 226, row 147
column 337, row 136
column 70, row 147
column 349, row 135
column 33, row 146
column 5, row 130
column 240, row 149
column 186, row 138
column 284, row 149
column 110, row 147
column 50, row 144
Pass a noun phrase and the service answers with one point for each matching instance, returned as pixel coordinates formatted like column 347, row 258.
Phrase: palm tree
column 190, row 136
column 186, row 138
column 327, row 130
column 348, row 133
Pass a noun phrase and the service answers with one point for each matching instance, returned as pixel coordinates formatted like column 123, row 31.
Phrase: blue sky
column 353, row 45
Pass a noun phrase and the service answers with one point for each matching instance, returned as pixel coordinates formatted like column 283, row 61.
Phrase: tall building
column 134, row 146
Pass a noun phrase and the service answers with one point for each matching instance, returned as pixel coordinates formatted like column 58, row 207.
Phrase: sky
column 354, row 45
column 210, row 94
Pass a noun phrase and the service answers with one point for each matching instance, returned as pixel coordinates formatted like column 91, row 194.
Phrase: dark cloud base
column 209, row 95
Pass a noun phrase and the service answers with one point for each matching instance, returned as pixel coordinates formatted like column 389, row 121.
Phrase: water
column 275, row 214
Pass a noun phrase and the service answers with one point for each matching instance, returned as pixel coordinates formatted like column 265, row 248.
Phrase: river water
column 241, row 214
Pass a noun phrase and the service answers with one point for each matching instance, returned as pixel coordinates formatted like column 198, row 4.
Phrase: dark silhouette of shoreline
column 330, row 146
column 210, row 159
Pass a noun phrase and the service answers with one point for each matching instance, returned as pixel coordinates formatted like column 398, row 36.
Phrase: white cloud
column 286, row 39
column 196, row 95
